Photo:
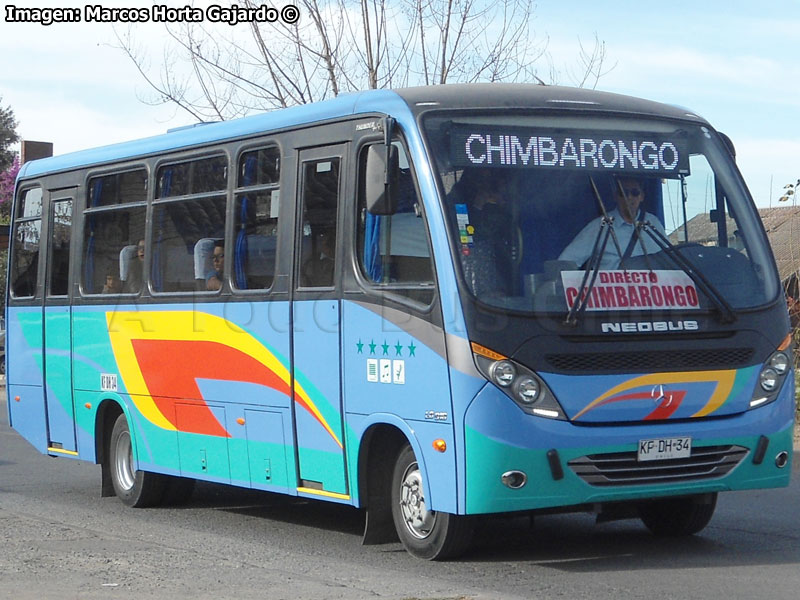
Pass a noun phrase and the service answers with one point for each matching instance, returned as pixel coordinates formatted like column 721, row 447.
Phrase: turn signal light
column 439, row 445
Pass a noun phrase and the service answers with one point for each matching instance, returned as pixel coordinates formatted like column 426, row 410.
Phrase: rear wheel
column 134, row 488
column 674, row 517
column 425, row 533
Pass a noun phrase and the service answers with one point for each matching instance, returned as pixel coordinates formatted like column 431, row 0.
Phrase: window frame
column 239, row 190
column 334, row 151
column 48, row 291
column 390, row 290
column 82, row 209
column 167, row 160
column 17, row 220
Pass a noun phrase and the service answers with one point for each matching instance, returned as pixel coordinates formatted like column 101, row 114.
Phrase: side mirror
column 381, row 179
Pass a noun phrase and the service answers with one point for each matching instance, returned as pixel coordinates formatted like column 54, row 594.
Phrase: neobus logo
column 649, row 326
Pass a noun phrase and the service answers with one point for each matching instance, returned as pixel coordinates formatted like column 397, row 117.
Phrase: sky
column 735, row 62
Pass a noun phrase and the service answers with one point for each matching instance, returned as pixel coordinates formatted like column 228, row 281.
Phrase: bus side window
column 27, row 237
column 320, row 202
column 393, row 250
column 256, row 219
column 60, row 238
column 190, row 206
column 114, row 219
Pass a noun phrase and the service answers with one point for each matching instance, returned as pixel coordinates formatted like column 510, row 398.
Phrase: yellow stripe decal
column 62, row 451
column 303, row 490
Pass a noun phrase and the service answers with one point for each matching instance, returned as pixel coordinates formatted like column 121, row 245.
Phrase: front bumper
column 500, row 438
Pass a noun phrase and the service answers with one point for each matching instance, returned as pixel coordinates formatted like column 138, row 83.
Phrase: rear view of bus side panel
column 24, row 339
column 25, row 391
column 199, row 389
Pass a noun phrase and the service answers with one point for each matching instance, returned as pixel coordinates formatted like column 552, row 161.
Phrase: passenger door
column 58, row 326
column 316, row 312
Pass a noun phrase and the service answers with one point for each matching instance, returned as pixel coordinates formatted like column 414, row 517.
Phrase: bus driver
column 629, row 194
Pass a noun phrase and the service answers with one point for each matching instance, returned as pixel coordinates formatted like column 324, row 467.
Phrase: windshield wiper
column 727, row 314
column 593, row 264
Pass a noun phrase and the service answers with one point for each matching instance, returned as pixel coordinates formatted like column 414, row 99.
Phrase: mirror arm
column 388, row 133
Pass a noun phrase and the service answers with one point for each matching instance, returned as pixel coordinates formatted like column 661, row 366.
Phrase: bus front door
column 316, row 309
column 58, row 328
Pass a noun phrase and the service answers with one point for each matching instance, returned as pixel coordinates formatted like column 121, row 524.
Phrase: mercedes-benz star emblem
column 658, row 394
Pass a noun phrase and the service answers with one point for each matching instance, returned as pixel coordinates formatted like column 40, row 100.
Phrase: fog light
column 782, row 459
column 514, row 479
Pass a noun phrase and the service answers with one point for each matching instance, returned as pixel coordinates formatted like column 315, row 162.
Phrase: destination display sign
column 633, row 290
column 527, row 147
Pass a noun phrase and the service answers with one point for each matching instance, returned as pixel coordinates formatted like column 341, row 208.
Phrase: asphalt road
column 61, row 540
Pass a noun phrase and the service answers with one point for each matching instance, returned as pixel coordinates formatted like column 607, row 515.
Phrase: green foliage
column 8, row 179
column 8, row 136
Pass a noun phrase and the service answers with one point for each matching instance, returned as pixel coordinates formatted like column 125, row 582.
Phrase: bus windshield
column 618, row 214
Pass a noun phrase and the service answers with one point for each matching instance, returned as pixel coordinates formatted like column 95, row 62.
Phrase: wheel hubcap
column 123, row 461
column 418, row 519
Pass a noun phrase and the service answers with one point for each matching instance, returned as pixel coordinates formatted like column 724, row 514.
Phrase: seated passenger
column 215, row 274
column 629, row 195
column 112, row 285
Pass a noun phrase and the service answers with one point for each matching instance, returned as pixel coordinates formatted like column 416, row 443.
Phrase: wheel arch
column 379, row 446
column 107, row 413
column 381, row 440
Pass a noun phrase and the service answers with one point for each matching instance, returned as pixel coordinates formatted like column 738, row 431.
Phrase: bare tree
column 339, row 46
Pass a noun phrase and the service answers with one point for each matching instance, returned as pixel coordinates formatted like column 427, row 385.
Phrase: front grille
column 622, row 468
column 653, row 360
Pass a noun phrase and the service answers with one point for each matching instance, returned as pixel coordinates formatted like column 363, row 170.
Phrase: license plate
column 665, row 448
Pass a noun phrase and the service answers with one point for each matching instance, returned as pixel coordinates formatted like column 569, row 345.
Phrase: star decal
column 385, row 347
column 372, row 345
column 360, row 346
column 412, row 349
column 399, row 349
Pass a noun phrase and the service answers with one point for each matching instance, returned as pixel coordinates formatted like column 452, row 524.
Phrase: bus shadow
column 278, row 507
column 571, row 543
column 575, row 544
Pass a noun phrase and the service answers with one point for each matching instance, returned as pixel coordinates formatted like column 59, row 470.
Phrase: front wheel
column 675, row 517
column 425, row 533
column 135, row 488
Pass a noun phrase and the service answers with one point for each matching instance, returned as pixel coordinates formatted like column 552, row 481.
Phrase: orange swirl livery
column 161, row 355
column 724, row 381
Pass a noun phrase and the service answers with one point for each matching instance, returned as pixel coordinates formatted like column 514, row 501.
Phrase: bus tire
column 675, row 517
column 426, row 534
column 138, row 489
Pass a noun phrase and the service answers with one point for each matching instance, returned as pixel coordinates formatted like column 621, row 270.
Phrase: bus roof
column 518, row 96
column 417, row 100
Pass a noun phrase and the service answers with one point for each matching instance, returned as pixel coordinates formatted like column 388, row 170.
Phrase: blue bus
column 434, row 304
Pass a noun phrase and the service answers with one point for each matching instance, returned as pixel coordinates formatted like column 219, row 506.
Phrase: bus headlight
column 519, row 383
column 780, row 362
column 526, row 389
column 768, row 378
column 502, row 372
column 772, row 375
